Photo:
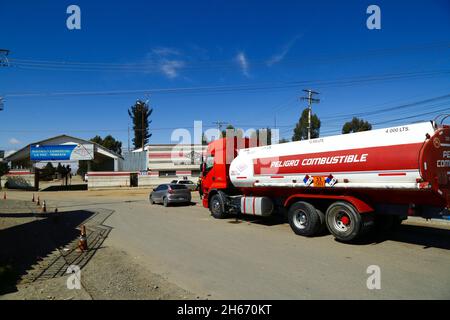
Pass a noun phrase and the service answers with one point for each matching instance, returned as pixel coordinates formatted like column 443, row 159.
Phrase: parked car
column 188, row 183
column 170, row 193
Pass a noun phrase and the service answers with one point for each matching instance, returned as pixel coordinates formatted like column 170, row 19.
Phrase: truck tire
column 345, row 223
column 217, row 207
column 323, row 225
column 304, row 219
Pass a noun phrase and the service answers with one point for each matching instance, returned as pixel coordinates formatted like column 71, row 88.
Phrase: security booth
column 28, row 165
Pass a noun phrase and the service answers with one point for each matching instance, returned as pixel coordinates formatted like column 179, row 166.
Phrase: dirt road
column 264, row 259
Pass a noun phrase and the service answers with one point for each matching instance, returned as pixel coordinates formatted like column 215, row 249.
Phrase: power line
column 433, row 109
column 395, row 108
column 209, row 64
column 244, row 87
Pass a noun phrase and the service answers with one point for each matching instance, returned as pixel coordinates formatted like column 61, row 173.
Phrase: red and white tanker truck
column 342, row 182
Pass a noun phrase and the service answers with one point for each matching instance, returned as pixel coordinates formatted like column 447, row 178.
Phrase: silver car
column 170, row 193
column 188, row 183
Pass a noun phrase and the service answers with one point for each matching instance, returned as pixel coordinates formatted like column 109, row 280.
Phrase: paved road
column 265, row 259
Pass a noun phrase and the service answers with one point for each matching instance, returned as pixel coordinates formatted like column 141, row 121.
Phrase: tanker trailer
column 343, row 182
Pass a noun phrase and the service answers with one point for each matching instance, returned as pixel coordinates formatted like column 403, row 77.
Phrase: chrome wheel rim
column 300, row 219
column 342, row 222
column 215, row 206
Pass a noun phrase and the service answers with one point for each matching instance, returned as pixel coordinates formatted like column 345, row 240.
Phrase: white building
column 170, row 161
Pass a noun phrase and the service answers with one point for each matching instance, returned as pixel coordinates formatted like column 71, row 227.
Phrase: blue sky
column 267, row 45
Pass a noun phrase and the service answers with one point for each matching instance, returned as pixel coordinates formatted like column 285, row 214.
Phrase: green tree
column 109, row 142
column 4, row 168
column 231, row 129
column 47, row 172
column 301, row 128
column 204, row 140
column 97, row 139
column 284, row 140
column 82, row 168
column 139, row 114
column 59, row 168
column 227, row 130
column 356, row 125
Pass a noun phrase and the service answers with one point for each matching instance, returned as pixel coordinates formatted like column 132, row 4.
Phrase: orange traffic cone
column 44, row 207
column 82, row 242
column 32, row 200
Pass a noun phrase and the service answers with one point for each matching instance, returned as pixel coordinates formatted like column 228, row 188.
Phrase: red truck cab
column 216, row 164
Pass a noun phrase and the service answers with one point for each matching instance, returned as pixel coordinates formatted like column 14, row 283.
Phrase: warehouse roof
column 61, row 139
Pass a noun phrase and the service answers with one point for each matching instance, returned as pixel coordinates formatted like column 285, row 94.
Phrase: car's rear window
column 177, row 186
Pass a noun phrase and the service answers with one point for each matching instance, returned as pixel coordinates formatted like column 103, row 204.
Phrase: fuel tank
column 410, row 158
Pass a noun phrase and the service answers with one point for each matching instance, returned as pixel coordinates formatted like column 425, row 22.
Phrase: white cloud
column 166, row 61
column 276, row 58
column 165, row 51
column 13, row 141
column 243, row 63
column 170, row 68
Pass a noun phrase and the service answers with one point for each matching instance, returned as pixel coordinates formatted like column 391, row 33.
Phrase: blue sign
column 61, row 152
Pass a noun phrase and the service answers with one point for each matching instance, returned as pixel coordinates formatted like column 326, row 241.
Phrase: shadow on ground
column 272, row 220
column 424, row 236
column 25, row 245
column 73, row 187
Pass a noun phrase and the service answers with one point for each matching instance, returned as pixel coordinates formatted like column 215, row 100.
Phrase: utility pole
column 219, row 125
column 310, row 100
column 128, row 138
column 142, row 127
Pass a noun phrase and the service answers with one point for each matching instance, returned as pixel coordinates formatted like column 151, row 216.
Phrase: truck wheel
column 165, row 202
column 304, row 219
column 345, row 222
column 323, row 224
column 217, row 207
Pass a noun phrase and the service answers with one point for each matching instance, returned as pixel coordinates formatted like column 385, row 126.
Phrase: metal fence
column 133, row 161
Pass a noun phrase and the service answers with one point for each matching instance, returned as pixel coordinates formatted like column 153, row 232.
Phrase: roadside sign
column 62, row 152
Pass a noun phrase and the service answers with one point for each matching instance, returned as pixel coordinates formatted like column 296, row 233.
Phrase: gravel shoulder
column 110, row 274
